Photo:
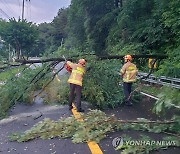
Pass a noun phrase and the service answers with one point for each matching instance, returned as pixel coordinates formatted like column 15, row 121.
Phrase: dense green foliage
column 133, row 27
column 4, row 54
column 21, row 35
column 101, row 84
column 101, row 27
column 52, row 35
column 19, row 87
column 168, row 99
column 106, row 27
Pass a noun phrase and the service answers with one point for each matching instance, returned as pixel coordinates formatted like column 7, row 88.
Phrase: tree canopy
column 105, row 27
column 21, row 35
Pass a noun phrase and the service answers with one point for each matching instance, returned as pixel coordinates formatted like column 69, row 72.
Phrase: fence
column 162, row 80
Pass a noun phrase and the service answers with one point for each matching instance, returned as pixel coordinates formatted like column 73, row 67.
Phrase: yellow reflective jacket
column 128, row 72
column 77, row 73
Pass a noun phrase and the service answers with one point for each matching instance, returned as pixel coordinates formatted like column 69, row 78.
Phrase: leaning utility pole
column 23, row 9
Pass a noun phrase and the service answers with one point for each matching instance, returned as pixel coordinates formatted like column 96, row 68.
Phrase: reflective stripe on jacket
column 129, row 72
column 77, row 73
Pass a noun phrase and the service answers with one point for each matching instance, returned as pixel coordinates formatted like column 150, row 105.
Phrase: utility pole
column 23, row 9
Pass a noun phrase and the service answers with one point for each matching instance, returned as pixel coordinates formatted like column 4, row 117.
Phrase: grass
column 150, row 89
column 7, row 74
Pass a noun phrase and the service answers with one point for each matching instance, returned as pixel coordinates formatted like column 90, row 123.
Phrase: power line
column 8, row 8
column 19, row 7
column 4, row 13
column 19, row 4
column 30, row 8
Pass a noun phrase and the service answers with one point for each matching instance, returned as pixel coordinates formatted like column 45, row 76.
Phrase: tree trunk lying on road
column 60, row 59
column 98, row 58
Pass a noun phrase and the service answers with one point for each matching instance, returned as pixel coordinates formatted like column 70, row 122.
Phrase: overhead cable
column 8, row 8
column 4, row 13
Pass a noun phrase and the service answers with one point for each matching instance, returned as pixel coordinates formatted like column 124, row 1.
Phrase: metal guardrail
column 162, row 80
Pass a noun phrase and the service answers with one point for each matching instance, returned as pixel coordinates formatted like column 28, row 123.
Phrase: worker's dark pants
column 77, row 88
column 127, row 91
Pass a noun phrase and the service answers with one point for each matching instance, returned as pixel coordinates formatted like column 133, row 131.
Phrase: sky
column 37, row 11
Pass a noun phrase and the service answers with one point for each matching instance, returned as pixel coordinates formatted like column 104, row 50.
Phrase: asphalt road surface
column 22, row 117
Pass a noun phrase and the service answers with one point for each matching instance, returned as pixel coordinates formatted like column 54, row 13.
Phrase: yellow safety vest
column 77, row 73
column 129, row 72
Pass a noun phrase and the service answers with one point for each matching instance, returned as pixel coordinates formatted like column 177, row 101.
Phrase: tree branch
column 134, row 56
column 98, row 58
column 136, row 121
column 40, row 61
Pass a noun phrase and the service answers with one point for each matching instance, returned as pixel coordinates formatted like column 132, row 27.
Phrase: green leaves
column 52, row 35
column 21, row 35
column 19, row 88
column 101, row 84
column 152, row 145
column 168, row 98
column 95, row 126
column 171, row 66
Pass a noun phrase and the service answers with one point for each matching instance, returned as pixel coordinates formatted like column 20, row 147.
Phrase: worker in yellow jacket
column 128, row 72
column 75, row 81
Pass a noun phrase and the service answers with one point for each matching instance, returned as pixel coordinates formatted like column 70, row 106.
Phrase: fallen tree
column 97, row 58
column 95, row 126
column 60, row 59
